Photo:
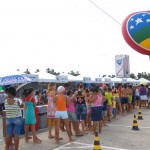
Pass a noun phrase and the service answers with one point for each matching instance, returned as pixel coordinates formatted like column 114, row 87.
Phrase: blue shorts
column 81, row 111
column 124, row 100
column 96, row 114
column 61, row 114
column 137, row 97
column 13, row 125
column 114, row 111
column 72, row 116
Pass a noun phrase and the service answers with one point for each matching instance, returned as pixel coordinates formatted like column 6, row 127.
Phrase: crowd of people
column 78, row 112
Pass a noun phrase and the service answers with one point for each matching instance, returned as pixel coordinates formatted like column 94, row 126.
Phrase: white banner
column 119, row 65
column 61, row 79
column 124, row 80
column 126, row 66
column 87, row 79
column 98, row 80
column 33, row 77
column 107, row 80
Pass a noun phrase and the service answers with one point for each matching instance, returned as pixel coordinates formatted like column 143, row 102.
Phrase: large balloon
column 136, row 31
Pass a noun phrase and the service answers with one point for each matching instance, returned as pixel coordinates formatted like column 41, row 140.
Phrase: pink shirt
column 98, row 101
column 71, row 107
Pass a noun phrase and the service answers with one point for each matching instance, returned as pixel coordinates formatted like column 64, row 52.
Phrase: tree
column 104, row 75
column 111, row 76
column 52, row 71
column 27, row 71
column 143, row 75
column 73, row 73
column 132, row 75
column 37, row 70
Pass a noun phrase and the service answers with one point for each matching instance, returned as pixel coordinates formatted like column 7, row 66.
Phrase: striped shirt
column 12, row 111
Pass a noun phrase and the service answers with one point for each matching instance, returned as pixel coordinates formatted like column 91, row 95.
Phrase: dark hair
column 66, row 85
column 69, row 93
column 11, row 90
column 87, row 90
column 109, row 89
column 28, row 91
column 37, row 92
column 81, row 86
column 95, row 89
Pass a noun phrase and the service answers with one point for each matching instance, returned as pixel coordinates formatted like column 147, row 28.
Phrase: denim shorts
column 13, row 126
column 81, row 111
column 125, row 100
column 96, row 114
column 72, row 116
column 61, row 114
column 114, row 111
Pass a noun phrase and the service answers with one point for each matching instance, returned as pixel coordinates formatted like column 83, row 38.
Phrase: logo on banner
column 98, row 80
column 86, row 79
column 119, row 62
column 61, row 79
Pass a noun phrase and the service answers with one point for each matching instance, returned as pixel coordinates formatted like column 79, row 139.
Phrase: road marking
column 115, row 125
column 84, row 146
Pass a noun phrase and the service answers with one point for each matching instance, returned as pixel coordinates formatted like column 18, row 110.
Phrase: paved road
column 116, row 136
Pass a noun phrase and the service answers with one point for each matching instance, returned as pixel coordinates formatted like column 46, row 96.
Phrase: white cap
column 60, row 89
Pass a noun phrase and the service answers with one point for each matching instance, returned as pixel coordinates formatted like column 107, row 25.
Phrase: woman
column 118, row 101
column 30, row 119
column 143, row 95
column 61, row 113
column 51, row 107
column 13, row 118
column 96, row 116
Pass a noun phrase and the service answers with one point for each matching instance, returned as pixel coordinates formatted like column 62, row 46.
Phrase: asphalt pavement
column 117, row 135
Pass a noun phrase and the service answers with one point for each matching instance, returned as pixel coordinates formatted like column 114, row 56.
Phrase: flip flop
column 51, row 137
column 60, row 138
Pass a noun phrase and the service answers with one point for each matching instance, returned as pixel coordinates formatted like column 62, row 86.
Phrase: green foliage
column 52, row 71
column 104, row 75
column 27, row 71
column 74, row 73
column 37, row 70
column 111, row 76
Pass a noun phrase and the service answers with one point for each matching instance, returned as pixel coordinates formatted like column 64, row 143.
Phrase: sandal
column 51, row 137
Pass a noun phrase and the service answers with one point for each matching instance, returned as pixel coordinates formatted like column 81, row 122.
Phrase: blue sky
column 66, row 35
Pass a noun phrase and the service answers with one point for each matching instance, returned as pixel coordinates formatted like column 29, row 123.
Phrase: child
column 104, row 111
column 71, row 112
column 89, row 105
column 108, row 95
column 114, row 111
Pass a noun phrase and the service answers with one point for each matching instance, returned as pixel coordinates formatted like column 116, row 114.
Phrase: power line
column 105, row 12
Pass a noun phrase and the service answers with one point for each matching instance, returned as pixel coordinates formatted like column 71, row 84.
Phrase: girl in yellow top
column 130, row 97
column 108, row 96
column 61, row 113
column 114, row 111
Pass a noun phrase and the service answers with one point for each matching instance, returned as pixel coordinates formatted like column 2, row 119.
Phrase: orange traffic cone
column 96, row 142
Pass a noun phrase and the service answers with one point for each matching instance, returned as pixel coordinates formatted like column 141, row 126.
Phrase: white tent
column 144, row 80
column 46, row 77
column 131, row 80
column 116, row 80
